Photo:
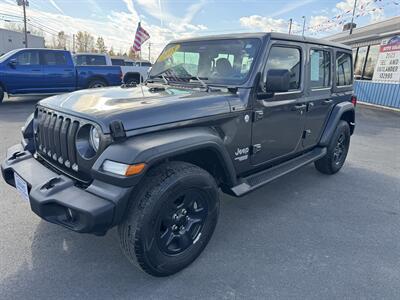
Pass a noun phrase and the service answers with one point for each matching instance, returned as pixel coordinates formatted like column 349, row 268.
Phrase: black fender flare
column 156, row 147
column 340, row 110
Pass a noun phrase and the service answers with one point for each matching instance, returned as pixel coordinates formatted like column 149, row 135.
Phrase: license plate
column 21, row 186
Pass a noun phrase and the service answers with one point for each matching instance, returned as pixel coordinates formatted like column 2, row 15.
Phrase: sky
column 165, row 20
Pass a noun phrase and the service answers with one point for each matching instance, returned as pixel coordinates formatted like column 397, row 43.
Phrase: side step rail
column 263, row 177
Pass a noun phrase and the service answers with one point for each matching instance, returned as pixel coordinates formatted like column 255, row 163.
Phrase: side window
column 53, row 58
column 96, row 60
column 343, row 69
column 286, row 58
column 320, row 69
column 27, row 58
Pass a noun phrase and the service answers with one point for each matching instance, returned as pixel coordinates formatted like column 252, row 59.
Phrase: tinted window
column 53, row 58
column 117, row 62
column 146, row 64
column 286, row 58
column 129, row 63
column 320, row 69
column 343, row 69
column 95, row 60
column 27, row 58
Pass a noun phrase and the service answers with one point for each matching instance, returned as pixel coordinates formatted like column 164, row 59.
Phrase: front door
column 26, row 75
column 278, row 121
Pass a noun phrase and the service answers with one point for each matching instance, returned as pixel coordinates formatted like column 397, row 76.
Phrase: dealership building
column 376, row 58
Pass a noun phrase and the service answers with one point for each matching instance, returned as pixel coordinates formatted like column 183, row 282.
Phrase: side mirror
column 12, row 62
column 278, row 81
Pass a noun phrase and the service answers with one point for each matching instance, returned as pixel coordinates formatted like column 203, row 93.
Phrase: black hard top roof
column 261, row 35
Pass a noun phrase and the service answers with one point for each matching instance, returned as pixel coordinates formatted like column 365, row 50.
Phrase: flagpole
column 352, row 18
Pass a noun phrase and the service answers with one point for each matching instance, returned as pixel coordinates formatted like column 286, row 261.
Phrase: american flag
column 140, row 37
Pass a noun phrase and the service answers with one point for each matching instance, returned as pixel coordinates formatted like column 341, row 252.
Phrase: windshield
column 224, row 62
column 7, row 55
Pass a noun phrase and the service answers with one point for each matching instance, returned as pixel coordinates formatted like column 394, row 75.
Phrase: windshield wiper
column 201, row 80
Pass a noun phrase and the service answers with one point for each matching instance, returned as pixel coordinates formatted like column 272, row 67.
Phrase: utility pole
column 352, row 17
column 290, row 25
column 304, row 24
column 149, row 50
column 24, row 3
column 73, row 43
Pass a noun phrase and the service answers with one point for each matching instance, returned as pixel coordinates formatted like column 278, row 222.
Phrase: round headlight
column 94, row 138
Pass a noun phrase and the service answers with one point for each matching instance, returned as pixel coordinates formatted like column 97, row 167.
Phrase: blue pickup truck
column 44, row 71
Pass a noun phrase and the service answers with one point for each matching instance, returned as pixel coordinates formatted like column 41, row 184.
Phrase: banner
column 387, row 68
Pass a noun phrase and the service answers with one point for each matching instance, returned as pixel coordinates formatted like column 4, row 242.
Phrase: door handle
column 328, row 101
column 299, row 107
column 36, row 70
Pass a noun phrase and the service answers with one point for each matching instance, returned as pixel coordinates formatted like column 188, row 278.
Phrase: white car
column 133, row 71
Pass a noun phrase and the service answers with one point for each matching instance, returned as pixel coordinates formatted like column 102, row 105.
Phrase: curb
column 378, row 106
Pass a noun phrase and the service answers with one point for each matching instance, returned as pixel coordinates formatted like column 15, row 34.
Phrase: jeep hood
column 140, row 107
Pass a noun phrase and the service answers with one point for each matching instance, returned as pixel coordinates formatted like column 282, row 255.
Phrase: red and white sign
column 387, row 67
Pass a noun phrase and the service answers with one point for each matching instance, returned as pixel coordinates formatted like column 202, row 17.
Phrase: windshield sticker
column 168, row 53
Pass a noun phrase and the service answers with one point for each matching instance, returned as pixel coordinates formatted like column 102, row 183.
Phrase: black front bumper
column 56, row 198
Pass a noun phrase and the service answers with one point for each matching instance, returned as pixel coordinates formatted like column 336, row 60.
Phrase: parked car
column 230, row 112
column 45, row 71
column 133, row 71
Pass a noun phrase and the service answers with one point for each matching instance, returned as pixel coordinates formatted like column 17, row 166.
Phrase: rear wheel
column 1, row 94
column 171, row 220
column 97, row 83
column 338, row 148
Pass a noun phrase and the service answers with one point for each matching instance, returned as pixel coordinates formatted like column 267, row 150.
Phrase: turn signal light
column 134, row 169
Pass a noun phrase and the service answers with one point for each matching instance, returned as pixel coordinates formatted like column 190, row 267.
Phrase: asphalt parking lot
column 304, row 236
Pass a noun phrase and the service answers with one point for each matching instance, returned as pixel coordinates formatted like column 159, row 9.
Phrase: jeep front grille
column 55, row 138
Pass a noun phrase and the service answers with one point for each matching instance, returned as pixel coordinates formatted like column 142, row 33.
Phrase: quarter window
column 285, row 58
column 320, row 65
column 27, row 58
column 343, row 69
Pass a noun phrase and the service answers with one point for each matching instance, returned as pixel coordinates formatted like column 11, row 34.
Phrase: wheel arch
column 134, row 75
column 199, row 146
column 96, row 77
column 342, row 111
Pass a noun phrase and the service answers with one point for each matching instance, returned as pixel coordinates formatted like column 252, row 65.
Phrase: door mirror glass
column 278, row 81
column 12, row 62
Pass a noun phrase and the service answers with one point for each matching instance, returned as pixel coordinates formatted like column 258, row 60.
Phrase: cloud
column 257, row 22
column 363, row 7
column 54, row 4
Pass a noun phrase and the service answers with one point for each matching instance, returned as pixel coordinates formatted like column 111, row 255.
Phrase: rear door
column 278, row 121
column 58, row 71
column 319, row 100
column 26, row 76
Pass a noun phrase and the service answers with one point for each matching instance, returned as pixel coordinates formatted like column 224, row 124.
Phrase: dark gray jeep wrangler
column 230, row 112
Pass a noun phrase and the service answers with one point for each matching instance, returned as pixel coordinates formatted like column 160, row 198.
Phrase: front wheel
column 171, row 219
column 337, row 150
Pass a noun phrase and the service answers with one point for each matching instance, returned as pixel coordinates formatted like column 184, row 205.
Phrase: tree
column 100, row 45
column 111, row 52
column 60, row 41
column 133, row 54
column 84, row 41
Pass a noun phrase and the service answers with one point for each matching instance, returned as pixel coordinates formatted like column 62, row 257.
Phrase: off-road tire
column 97, row 83
column 140, row 232
column 331, row 162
